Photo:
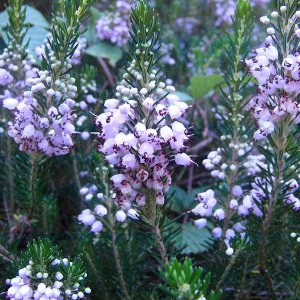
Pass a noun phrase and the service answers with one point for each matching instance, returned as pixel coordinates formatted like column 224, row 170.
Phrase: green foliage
column 41, row 254
column 144, row 37
column 23, row 24
column 185, row 282
column 64, row 35
column 105, row 50
column 190, row 239
column 40, row 197
column 201, row 85
column 182, row 201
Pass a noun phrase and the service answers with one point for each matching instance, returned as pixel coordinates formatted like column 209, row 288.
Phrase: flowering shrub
column 151, row 192
column 141, row 133
column 47, row 277
column 115, row 26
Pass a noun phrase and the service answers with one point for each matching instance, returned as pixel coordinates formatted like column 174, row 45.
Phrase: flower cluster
column 55, row 284
column 261, row 189
column 141, row 131
column 94, row 217
column 278, row 83
column 139, row 135
column 15, row 73
column 44, row 128
column 185, row 25
column 243, row 203
column 251, row 163
column 115, row 27
column 87, row 91
column 76, row 56
column 224, row 9
column 43, row 113
column 296, row 236
column 208, row 206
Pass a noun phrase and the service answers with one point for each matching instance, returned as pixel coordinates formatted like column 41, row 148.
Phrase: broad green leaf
column 183, row 96
column 33, row 17
column 90, row 33
column 36, row 36
column 3, row 19
column 95, row 13
column 201, row 85
column 191, row 239
column 181, row 200
column 105, row 50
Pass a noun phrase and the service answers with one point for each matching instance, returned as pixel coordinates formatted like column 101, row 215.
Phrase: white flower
column 120, row 216
column 28, row 131
column 271, row 30
column 97, row 227
column 59, row 276
column 219, row 214
column 10, row 103
column 200, row 223
column 132, row 213
column 229, row 251
column 182, row 159
column 86, row 217
column 100, row 210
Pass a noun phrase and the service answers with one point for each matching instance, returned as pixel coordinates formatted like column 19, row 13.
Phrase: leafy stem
column 116, row 253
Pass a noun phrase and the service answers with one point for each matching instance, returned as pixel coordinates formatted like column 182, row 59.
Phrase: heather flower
column 142, row 131
column 49, row 130
column 137, row 149
column 186, row 24
column 278, row 86
column 76, row 56
column 44, row 116
column 5, row 77
column 33, row 284
column 100, row 204
column 224, row 9
column 114, row 27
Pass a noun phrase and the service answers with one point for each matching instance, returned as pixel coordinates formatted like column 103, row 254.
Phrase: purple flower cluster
column 94, row 217
column 185, row 25
column 115, row 27
column 243, row 203
column 224, row 9
column 44, row 127
column 208, row 206
column 45, row 285
column 141, row 134
column 75, row 58
column 278, row 88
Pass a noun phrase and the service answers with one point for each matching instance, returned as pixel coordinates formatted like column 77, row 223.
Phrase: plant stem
column 32, row 184
column 228, row 268
column 5, row 254
column 115, row 245
column 76, row 176
column 97, row 274
column 157, row 232
column 10, row 209
column 232, row 178
column 280, row 151
column 107, row 72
